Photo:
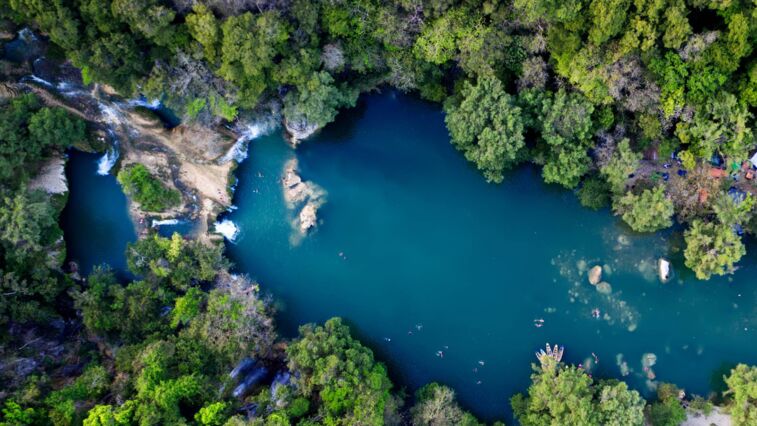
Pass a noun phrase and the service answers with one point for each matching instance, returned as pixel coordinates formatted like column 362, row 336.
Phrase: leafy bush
column 146, row 190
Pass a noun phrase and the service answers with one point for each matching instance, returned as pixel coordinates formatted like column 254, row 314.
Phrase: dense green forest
column 631, row 103
column 645, row 106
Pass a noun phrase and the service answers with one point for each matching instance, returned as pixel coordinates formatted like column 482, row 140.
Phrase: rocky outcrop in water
column 302, row 197
column 595, row 275
column 299, row 130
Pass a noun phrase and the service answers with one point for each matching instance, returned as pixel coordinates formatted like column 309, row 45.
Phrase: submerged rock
column 604, row 288
column 302, row 195
column 595, row 275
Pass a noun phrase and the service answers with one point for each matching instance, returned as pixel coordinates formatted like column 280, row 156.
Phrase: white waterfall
column 228, row 229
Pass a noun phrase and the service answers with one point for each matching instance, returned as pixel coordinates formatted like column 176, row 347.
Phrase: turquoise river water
column 424, row 258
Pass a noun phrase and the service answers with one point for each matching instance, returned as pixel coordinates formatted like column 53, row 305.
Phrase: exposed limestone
column 9, row 90
column 299, row 130
column 595, row 275
column 301, row 195
column 51, row 177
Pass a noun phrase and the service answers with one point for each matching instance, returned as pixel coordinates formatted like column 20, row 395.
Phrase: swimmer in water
column 419, row 327
column 596, row 358
column 595, row 313
column 387, row 339
column 481, row 363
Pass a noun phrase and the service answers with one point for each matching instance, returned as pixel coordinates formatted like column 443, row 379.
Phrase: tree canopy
column 486, row 126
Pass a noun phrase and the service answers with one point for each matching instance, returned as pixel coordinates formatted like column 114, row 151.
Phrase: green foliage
column 608, row 18
column 181, row 263
column 212, row 414
column 720, row 127
column 115, row 59
column 566, row 119
column 622, row 163
column 712, row 249
column 148, row 191
column 667, row 410
column 732, row 212
column 671, row 72
column 352, row 386
column 221, row 108
column 54, row 127
column 594, row 193
column 562, row 395
column 14, row 414
column 742, row 390
column 25, row 221
column 30, row 133
column 203, row 27
column 249, row 45
column 487, row 127
column 92, row 384
column 648, row 212
column 187, row 307
column 316, row 102
column 565, row 165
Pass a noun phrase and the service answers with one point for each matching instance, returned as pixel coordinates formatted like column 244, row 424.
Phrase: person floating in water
column 596, row 358
column 595, row 313
column 440, row 354
column 538, row 322
column 387, row 339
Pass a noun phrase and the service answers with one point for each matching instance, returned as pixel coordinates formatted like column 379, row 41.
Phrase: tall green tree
column 712, row 249
column 742, row 391
column 621, row 164
column 330, row 364
column 486, row 126
column 649, row 211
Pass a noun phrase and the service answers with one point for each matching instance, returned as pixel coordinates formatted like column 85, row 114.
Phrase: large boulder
column 595, row 275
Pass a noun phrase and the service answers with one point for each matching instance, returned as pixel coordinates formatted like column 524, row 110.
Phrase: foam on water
column 252, row 131
column 227, row 228
column 41, row 81
column 107, row 161
column 143, row 102
column 156, row 223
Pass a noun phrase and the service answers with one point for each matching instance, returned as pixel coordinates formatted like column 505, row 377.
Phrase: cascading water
column 249, row 132
column 143, row 102
column 228, row 229
column 238, row 153
column 156, row 223
column 107, row 161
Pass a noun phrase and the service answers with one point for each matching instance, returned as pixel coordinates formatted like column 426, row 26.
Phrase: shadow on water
column 95, row 221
